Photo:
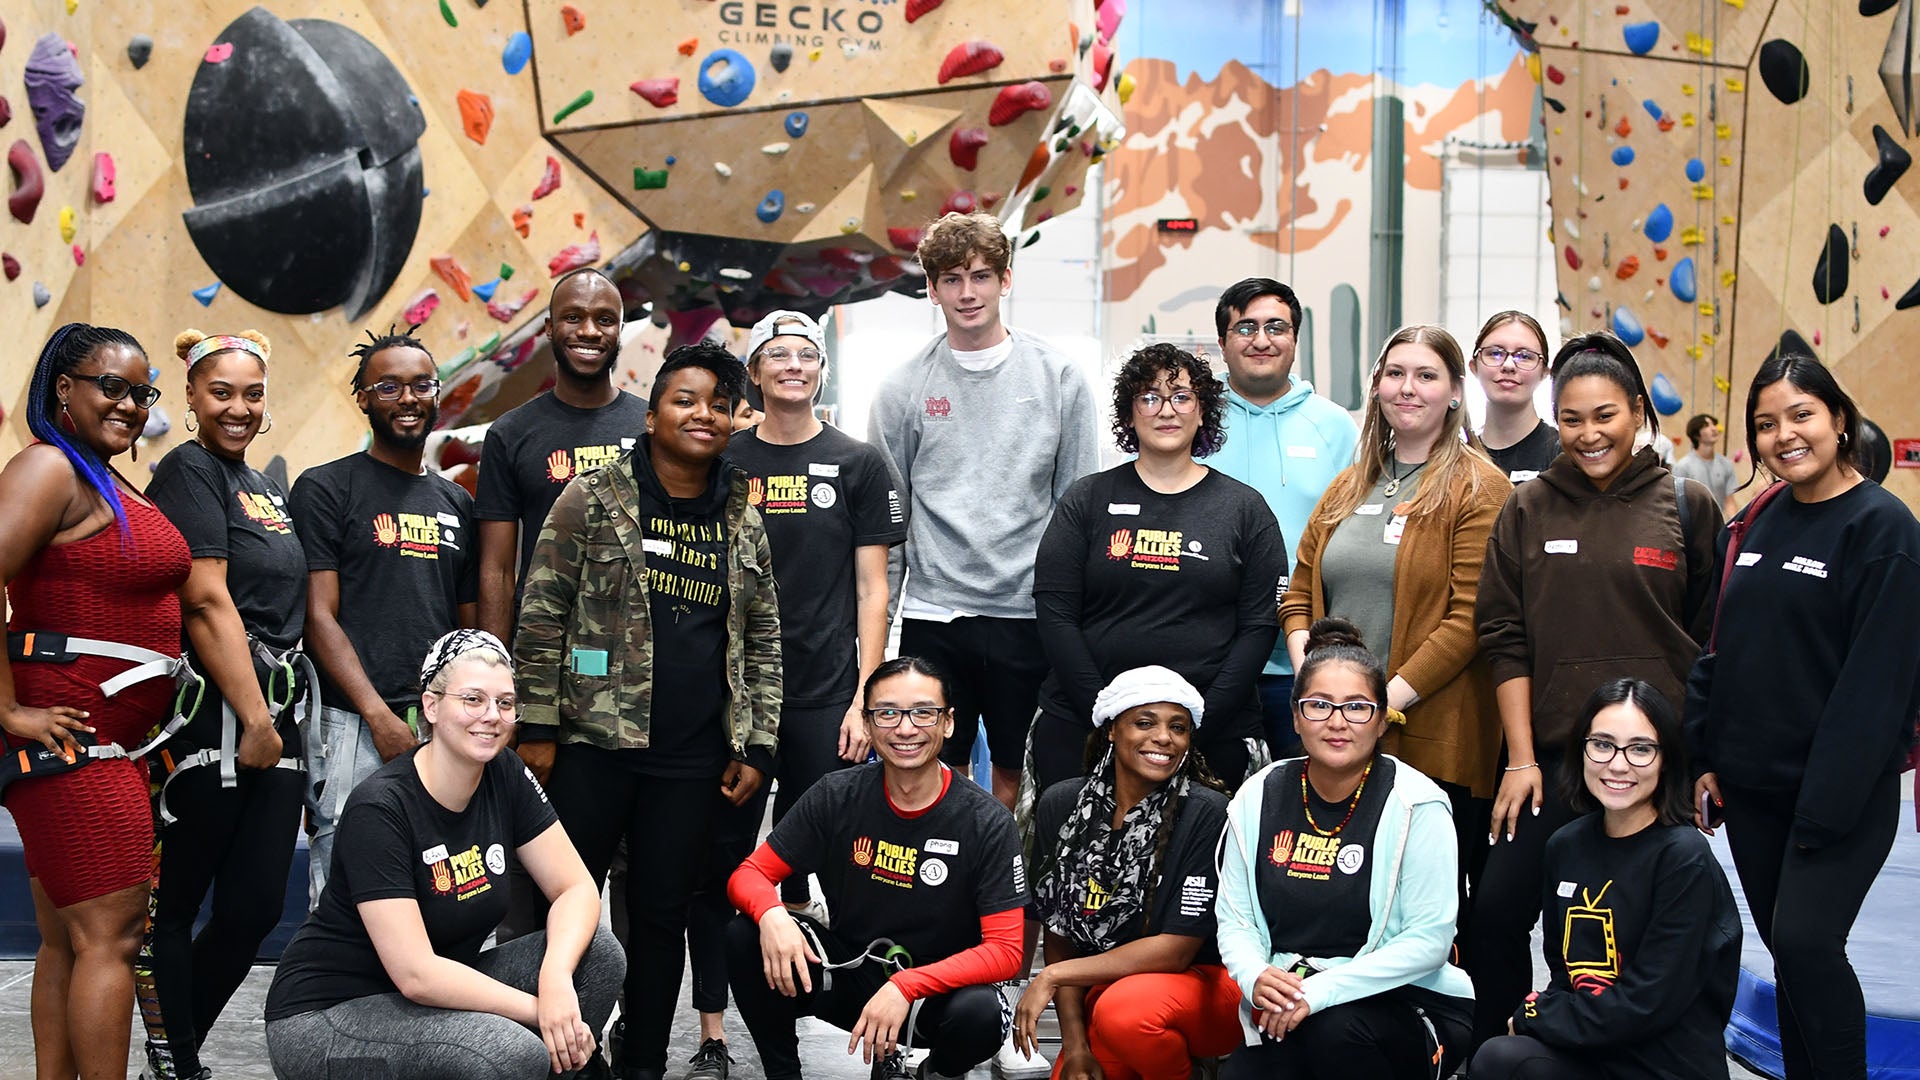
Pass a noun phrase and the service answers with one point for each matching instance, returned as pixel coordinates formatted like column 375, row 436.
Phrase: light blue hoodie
column 1289, row 451
column 1412, row 898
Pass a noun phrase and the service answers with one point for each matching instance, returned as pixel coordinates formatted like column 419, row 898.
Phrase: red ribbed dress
column 89, row 832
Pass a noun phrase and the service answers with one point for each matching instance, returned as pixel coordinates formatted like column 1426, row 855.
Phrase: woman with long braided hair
column 92, row 572
column 1125, row 888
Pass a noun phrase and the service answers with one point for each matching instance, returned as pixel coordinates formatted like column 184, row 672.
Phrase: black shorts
column 995, row 667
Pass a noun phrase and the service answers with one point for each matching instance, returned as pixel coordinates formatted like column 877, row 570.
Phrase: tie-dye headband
column 220, row 342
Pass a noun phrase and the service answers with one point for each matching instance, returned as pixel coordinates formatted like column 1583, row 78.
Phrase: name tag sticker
column 1124, row 509
column 1748, row 558
column 1303, row 451
column 1521, row 476
column 627, row 444
column 943, row 847
column 1395, row 526
column 817, row 469
column 434, row 854
column 1563, row 547
column 656, row 547
column 1565, row 889
column 1369, row 509
column 448, row 519
column 589, row 662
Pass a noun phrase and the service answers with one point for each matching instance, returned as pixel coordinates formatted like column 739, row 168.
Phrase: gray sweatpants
column 387, row 1037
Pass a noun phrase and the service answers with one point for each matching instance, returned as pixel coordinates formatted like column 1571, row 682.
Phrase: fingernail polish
column 1536, row 811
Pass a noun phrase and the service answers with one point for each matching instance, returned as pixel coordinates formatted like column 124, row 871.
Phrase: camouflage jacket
column 586, row 591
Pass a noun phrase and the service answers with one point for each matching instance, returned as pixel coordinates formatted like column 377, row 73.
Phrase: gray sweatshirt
column 984, row 456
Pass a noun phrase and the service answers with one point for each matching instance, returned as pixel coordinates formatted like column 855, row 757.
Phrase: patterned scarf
column 1090, row 850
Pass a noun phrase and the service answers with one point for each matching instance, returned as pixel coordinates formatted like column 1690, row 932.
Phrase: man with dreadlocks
column 1125, row 887
column 391, row 567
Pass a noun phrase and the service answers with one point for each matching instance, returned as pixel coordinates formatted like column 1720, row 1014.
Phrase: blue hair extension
column 64, row 351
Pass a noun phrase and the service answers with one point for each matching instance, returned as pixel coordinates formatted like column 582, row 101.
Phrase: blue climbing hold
column 771, row 207
column 1623, row 155
column 796, row 124
column 485, row 292
column 1659, row 224
column 1641, row 37
column 1627, row 328
column 1653, row 108
column 670, row 160
column 1666, row 400
column 206, row 295
column 1684, row 281
column 726, row 78
column 1696, row 170
column 519, row 50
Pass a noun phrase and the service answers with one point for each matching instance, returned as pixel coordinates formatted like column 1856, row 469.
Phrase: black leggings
column 1499, row 956
column 1375, row 1038
column 1523, row 1057
column 1470, row 817
column 238, row 842
column 809, row 750
column 667, row 825
column 1804, row 903
column 961, row 1029
column 735, row 829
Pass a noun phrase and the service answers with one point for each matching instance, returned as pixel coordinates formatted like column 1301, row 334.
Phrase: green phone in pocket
column 590, row 662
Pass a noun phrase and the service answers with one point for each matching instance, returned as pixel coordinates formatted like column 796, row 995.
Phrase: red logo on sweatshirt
column 1655, row 557
column 939, row 408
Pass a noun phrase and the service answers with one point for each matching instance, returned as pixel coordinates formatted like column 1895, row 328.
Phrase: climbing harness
column 883, row 951
column 288, row 673
column 40, row 646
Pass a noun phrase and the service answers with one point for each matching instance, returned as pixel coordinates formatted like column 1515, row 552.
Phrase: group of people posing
column 1296, row 727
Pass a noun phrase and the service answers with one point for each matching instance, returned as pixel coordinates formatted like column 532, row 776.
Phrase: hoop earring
column 268, row 426
column 191, row 421
column 1843, row 438
column 1452, row 404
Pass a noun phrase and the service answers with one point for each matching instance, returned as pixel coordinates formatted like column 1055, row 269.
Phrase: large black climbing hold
column 1894, row 163
column 1784, row 70
column 1870, row 8
column 1908, row 299
column 302, row 153
column 1830, row 275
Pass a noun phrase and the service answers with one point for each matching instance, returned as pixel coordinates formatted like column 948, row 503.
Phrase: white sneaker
column 813, row 909
column 1010, row 1064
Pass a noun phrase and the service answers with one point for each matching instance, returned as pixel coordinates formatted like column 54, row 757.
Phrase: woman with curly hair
column 1160, row 560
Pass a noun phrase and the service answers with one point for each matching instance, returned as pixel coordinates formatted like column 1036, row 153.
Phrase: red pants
column 1150, row 1027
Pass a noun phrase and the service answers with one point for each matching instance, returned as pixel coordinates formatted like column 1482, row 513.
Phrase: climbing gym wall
column 1727, row 174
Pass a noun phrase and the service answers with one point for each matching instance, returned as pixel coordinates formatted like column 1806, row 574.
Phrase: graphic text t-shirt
column 686, row 552
column 1530, row 456
column 1315, row 874
column 403, row 545
column 226, row 510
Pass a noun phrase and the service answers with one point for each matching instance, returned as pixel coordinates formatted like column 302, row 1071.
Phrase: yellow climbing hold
column 685, row 266
column 1693, row 351
column 1738, row 5
column 813, row 54
column 1736, row 86
column 1533, row 66
column 1706, row 339
column 1699, row 46
column 1125, row 86
column 1727, row 279
column 73, row 6
column 67, row 226
column 1723, row 131
column 850, row 226
column 1726, row 159
column 1706, row 310
column 1686, row 88
column 1726, row 219
column 1721, row 384
column 1692, row 236
column 1703, row 192
column 909, row 195
column 1686, row 119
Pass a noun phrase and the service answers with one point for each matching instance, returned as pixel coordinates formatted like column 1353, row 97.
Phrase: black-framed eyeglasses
column 1524, row 359
column 921, row 715
column 781, row 355
column 1320, row 710
column 1184, row 401
column 1602, row 750
column 389, row 389
column 115, row 388
column 475, row 704
column 1274, row 328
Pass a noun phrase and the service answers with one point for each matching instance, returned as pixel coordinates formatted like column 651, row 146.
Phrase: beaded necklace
column 1352, row 805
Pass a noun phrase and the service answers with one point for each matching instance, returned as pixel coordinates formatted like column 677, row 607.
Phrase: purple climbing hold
column 1641, row 37
column 52, row 76
column 1623, row 155
column 1696, row 170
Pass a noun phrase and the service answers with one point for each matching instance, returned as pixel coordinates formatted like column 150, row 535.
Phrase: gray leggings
column 387, row 1037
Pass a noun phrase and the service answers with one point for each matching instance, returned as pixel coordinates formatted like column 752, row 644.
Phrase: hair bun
column 184, row 342
column 1328, row 633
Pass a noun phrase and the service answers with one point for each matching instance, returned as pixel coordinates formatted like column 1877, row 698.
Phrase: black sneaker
column 711, row 1061
column 891, row 1067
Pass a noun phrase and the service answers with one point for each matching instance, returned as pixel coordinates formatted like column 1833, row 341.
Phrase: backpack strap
column 1686, row 512
column 1736, row 534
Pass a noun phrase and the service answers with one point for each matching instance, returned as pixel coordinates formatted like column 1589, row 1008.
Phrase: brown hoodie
column 1582, row 586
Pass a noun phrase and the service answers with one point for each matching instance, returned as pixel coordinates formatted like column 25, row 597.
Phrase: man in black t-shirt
column 390, row 569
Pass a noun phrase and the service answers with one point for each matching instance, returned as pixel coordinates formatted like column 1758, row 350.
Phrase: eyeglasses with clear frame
column 780, row 355
column 1184, row 401
column 390, row 390
column 1496, row 356
column 1274, row 328
column 475, row 704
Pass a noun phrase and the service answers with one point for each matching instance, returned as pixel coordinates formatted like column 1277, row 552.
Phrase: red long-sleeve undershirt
column 754, row 889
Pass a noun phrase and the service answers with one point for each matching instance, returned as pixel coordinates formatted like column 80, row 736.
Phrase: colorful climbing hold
column 421, row 307
column 963, row 146
column 905, row 239
column 29, row 183
column 9, row 265
column 1107, row 16
column 1696, row 170
column 1624, row 128
column 1013, row 101
column 1626, row 327
column 575, row 256
column 796, row 124
column 549, row 180
column 446, row 12
column 1041, row 192
column 1124, row 88
column 476, row 114
column 485, row 291
column 1683, row 281
column 970, row 58
column 41, row 297
column 67, row 225
column 726, row 78
column 1666, row 400
column 1626, row 267
column 781, row 56
column 519, row 50
column 573, row 19
column 917, row 8
column 450, row 271
column 204, row 294
column 505, row 309
column 688, row 47
column 1573, row 257
column 1623, row 155
column 523, row 219
column 103, row 177
column 506, row 271
column 645, row 179
column 659, row 93
column 1659, row 224
column 960, row 202
column 771, row 207
column 219, row 52
column 52, row 75
column 139, row 50
column 1641, row 37
column 79, row 255
column 585, row 99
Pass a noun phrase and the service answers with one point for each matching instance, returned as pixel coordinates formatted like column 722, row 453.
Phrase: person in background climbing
column 1801, row 744
column 1707, row 464
column 391, row 567
column 649, row 647
column 831, row 510
column 1395, row 547
column 1158, row 560
column 387, row 977
column 1510, row 360
column 232, row 801
column 1124, row 885
column 925, row 882
column 84, row 554
column 1610, row 526
column 1337, row 893
column 1642, row 939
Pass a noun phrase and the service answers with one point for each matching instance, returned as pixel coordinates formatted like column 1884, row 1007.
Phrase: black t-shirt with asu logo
column 531, row 452
column 397, row 842
column 923, row 880
column 229, row 511
column 403, row 546
column 820, row 500
column 1314, row 888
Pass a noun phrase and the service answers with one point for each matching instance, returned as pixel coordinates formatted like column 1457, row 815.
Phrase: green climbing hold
column 1032, row 239
column 585, row 99
column 1041, row 192
column 649, row 179
column 456, row 362
column 446, row 13
column 506, row 271
column 488, row 346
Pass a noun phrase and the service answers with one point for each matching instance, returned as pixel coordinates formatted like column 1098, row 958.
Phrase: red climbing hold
column 905, row 239
column 572, row 19
column 218, row 54
column 29, row 183
column 575, row 256
column 1627, row 267
column 1057, row 66
column 917, row 8
column 1659, row 338
column 453, row 274
column 6, row 111
column 969, row 58
column 1013, row 101
column 523, row 219
column 1555, row 75
column 659, row 93
column 1665, row 123
column 1623, row 128
column 963, row 146
column 421, row 307
column 1102, row 64
column 103, row 176
column 886, row 268
column 687, row 47
column 1660, row 253
column 10, row 265
column 1573, row 258
column 549, row 181
column 476, row 114
column 990, row 199
column 1623, row 183
column 505, row 308
column 960, row 202
column 579, row 219
column 79, row 255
